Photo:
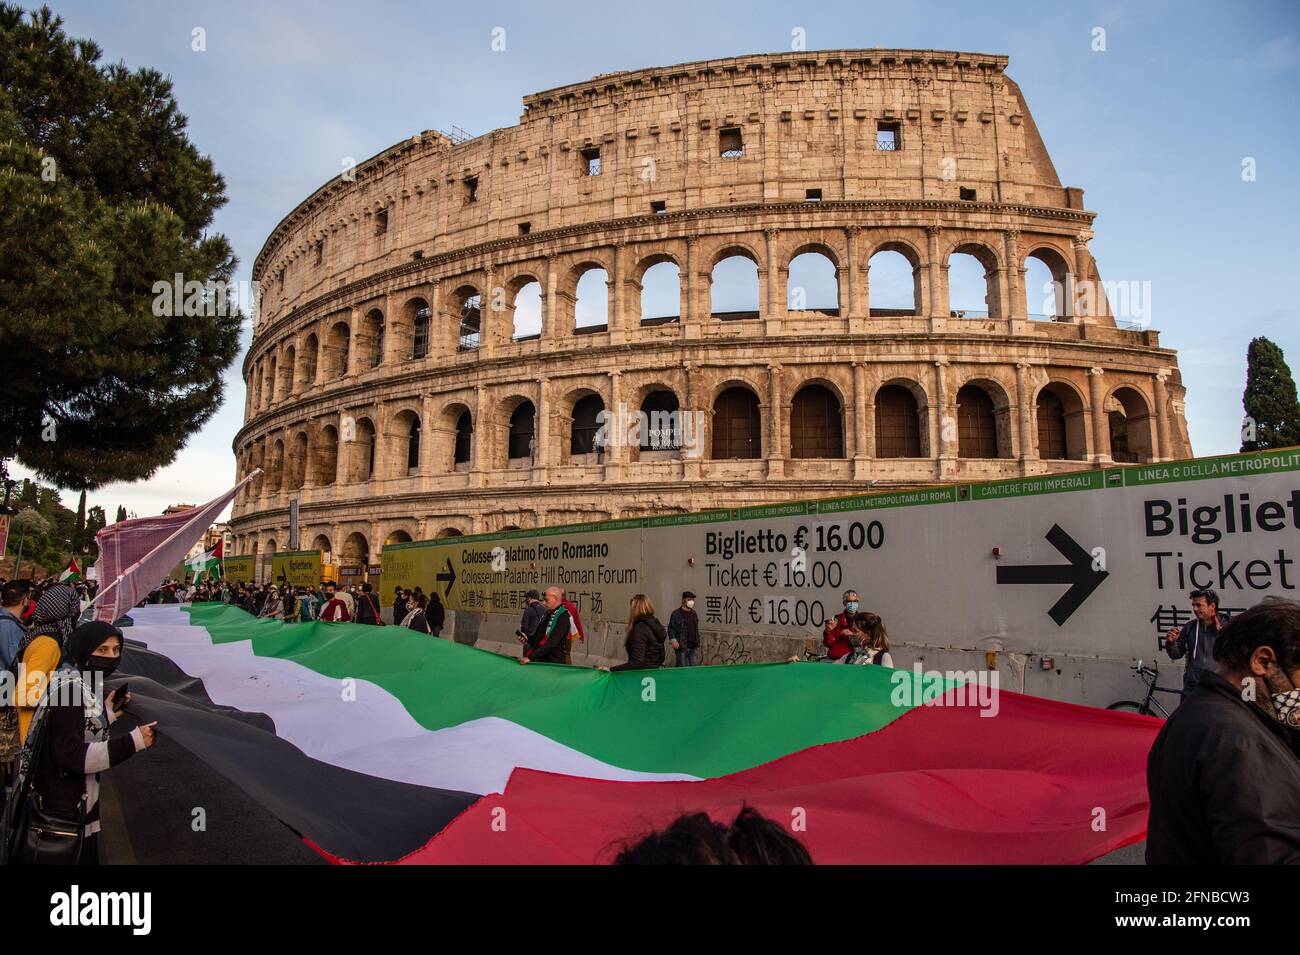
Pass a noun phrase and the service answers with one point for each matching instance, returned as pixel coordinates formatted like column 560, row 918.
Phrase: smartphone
column 121, row 694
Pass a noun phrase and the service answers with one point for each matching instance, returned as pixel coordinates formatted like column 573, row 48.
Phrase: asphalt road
column 148, row 816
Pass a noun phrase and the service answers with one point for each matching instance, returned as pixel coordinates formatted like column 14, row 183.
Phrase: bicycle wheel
column 1129, row 706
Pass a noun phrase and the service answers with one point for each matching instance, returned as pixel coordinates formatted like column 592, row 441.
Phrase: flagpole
column 122, row 576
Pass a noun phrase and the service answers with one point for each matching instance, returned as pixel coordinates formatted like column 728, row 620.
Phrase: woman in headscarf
column 70, row 730
column 39, row 653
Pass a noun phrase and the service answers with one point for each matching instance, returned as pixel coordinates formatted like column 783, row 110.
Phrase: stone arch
column 370, row 340
column 737, row 422
column 521, row 428
column 398, row 535
column 356, row 550
column 894, row 280
column 525, row 302
column 275, row 473
column 450, row 531
column 984, row 413
column 582, row 413
column 984, row 274
column 735, row 290
column 1060, row 419
column 323, row 544
column 465, row 315
column 402, row 443
column 817, row 421
column 1129, row 418
column 297, row 461
column 413, row 330
column 361, row 451
column 337, row 349
column 1046, row 300
column 902, row 424
column 453, row 438
column 308, row 361
column 657, row 291
column 325, row 456
column 590, row 309
column 812, row 279
column 289, row 371
column 271, row 379
column 660, row 422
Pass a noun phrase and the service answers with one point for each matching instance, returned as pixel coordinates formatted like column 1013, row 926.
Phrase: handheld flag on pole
column 70, row 573
column 135, row 555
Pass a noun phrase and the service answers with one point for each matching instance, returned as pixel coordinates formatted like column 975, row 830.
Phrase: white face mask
column 690, row 605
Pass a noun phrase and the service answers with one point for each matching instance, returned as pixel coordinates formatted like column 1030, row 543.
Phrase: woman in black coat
column 645, row 637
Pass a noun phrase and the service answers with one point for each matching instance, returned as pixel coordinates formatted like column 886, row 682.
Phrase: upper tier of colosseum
column 799, row 122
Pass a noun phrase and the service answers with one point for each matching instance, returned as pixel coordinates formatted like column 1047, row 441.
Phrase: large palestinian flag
column 388, row 745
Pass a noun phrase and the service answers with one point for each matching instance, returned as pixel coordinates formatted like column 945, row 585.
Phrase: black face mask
column 104, row 665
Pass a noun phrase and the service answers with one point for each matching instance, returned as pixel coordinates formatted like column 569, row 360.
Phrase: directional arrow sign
column 1079, row 573
column 450, row 577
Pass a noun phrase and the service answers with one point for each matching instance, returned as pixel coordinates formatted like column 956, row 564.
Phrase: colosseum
column 717, row 284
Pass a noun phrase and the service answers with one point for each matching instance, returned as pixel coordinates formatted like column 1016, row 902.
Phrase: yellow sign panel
column 239, row 570
column 297, row 568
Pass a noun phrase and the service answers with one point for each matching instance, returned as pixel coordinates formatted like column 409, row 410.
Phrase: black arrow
column 1078, row 573
column 449, row 576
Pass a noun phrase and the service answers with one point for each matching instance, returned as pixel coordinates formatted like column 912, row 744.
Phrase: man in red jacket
column 836, row 632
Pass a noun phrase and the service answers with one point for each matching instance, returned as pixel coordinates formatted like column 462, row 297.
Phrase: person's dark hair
column 695, row 839
column 14, row 591
column 1210, row 597
column 365, row 587
column 1274, row 623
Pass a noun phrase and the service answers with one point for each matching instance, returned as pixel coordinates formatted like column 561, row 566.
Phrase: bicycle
column 1149, row 706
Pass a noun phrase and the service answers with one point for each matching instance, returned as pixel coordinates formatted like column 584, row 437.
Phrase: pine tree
column 121, row 514
column 1272, row 411
column 102, row 197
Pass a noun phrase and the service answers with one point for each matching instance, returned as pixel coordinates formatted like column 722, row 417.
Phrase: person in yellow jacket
column 39, row 653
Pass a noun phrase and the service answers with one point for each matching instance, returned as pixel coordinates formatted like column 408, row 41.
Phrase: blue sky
column 1155, row 129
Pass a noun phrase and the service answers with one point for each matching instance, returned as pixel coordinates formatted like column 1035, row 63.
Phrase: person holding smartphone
column 534, row 613
column 1196, row 638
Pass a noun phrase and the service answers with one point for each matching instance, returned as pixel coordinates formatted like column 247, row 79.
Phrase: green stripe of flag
column 703, row 721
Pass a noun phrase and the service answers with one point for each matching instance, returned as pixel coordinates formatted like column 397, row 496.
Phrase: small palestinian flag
column 208, row 562
column 71, row 573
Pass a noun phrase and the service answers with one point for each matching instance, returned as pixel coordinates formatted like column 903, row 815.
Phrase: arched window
column 892, row 283
column 521, row 431
column 733, row 288
column 470, row 322
column 413, row 446
column 967, row 287
column 977, row 426
column 528, row 311
column 661, row 287
column 661, row 424
column 813, row 284
column 362, row 453
column 326, row 457
column 1051, row 427
column 591, row 301
column 464, row 438
column 1130, row 427
column 898, row 423
column 298, row 461
column 586, row 425
column 310, row 354
column 420, row 344
column 737, row 425
column 816, row 424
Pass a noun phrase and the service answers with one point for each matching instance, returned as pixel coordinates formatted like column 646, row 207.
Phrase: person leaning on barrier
column 1223, row 775
column 550, row 638
column 645, row 637
column 533, row 614
column 70, row 744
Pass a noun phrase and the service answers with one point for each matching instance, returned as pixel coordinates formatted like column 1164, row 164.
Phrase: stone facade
column 391, row 394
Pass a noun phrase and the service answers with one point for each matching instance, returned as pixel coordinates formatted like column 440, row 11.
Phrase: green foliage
column 1272, row 411
column 101, row 196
